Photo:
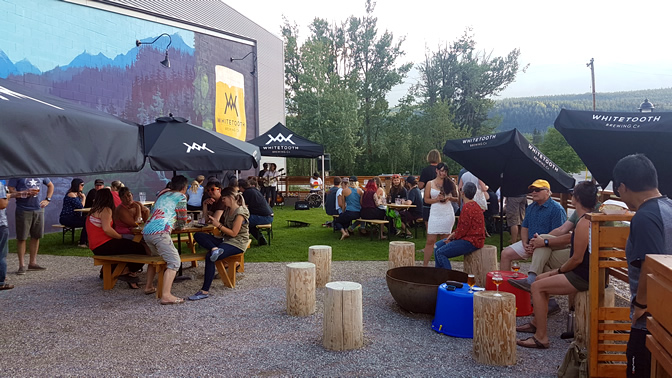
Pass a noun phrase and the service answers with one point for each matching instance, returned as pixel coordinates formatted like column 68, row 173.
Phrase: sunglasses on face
column 213, row 189
column 536, row 190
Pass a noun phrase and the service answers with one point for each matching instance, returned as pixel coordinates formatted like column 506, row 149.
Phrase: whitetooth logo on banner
column 280, row 139
column 230, row 103
column 195, row 146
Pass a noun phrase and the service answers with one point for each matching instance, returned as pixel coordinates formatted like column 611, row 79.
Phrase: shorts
column 579, row 283
column 520, row 250
column 515, row 210
column 29, row 222
column 162, row 245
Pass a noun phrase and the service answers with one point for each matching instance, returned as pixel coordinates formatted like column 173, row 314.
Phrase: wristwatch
column 48, row 199
column 546, row 242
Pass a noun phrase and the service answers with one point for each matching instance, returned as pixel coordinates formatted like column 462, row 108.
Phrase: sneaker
column 521, row 284
column 198, row 296
column 35, row 267
column 21, row 271
column 83, row 246
column 409, row 236
column 214, row 255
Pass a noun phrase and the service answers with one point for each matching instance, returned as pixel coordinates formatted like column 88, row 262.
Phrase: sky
column 627, row 40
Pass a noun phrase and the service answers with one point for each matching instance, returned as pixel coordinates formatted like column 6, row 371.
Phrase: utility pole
column 592, row 75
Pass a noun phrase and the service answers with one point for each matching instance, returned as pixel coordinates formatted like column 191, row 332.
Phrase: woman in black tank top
column 570, row 278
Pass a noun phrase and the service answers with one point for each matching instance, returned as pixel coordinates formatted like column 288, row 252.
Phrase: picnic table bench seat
column 66, row 230
column 227, row 275
column 379, row 223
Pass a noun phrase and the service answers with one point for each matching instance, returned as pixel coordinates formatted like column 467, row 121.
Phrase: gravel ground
column 61, row 322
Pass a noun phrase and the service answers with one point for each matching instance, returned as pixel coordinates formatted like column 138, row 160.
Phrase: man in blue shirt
column 541, row 217
column 635, row 181
column 29, row 217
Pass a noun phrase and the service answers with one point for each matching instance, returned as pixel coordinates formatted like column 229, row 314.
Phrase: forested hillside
column 530, row 113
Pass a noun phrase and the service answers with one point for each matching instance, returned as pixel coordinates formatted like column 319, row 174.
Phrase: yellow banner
column 230, row 103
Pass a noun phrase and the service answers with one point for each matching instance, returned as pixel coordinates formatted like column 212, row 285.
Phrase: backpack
column 575, row 363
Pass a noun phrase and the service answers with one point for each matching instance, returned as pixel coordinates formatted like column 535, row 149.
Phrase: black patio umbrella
column 45, row 135
column 173, row 144
column 601, row 139
column 508, row 161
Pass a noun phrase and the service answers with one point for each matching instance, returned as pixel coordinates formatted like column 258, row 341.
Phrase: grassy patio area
column 288, row 244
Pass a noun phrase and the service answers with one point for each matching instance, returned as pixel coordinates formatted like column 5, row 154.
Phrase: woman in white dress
column 439, row 193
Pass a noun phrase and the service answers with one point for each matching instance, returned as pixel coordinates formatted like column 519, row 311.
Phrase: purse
column 575, row 363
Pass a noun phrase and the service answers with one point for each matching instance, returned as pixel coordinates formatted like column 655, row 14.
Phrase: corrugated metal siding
column 214, row 14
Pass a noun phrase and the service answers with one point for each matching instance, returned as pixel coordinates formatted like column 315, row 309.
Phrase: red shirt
column 471, row 225
column 117, row 199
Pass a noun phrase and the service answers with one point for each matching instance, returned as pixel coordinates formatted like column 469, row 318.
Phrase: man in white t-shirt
column 315, row 183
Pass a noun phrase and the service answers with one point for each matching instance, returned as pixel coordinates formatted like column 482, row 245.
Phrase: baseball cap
column 99, row 182
column 353, row 178
column 541, row 184
column 411, row 180
column 345, row 179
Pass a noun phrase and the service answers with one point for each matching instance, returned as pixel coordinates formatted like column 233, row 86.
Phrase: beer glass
column 497, row 279
column 143, row 197
column 515, row 266
column 471, row 281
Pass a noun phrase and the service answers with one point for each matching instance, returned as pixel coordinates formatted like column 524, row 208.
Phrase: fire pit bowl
column 415, row 287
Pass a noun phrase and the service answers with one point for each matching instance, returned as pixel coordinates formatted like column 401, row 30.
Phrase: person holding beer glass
column 469, row 234
column 570, row 278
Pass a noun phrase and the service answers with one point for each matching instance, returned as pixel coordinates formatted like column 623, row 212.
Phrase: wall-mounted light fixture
column 254, row 57
column 166, row 61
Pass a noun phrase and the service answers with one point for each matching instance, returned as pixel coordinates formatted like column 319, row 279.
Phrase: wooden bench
column 66, row 229
column 227, row 275
column 268, row 228
column 379, row 224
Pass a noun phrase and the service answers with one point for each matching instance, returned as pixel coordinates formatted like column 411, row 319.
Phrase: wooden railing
column 606, row 348
column 659, row 290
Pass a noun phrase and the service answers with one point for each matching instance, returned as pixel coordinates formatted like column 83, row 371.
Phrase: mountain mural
column 87, row 60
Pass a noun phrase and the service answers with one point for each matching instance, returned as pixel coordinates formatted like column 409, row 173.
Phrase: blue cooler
column 454, row 314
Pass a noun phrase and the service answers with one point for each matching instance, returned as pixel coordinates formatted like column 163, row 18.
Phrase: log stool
column 343, row 326
column 320, row 255
column 523, row 300
column 300, row 288
column 454, row 314
column 480, row 262
column 402, row 253
column 494, row 328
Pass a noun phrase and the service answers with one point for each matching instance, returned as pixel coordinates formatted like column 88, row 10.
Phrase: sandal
column 133, row 285
column 527, row 328
column 176, row 301
column 6, row 287
column 537, row 344
column 150, row 291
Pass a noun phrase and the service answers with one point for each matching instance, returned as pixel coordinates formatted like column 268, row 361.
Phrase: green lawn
column 288, row 244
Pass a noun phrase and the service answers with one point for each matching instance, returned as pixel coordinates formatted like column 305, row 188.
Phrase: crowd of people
column 557, row 246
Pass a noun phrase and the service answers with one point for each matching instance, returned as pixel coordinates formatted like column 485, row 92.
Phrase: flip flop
column 6, row 287
column 150, row 291
column 537, row 344
column 176, row 301
column 527, row 328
